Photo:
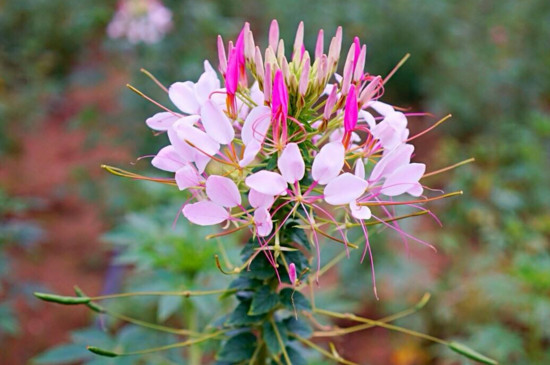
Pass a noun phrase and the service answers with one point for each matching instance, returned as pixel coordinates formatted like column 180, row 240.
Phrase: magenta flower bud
column 274, row 34
column 232, row 72
column 279, row 103
column 319, row 46
column 221, row 56
column 351, row 114
column 292, row 273
column 239, row 44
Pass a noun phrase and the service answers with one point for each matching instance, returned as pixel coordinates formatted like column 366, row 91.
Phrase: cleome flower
column 144, row 21
column 289, row 138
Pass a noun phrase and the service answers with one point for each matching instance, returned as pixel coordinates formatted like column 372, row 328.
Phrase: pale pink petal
column 392, row 161
column 416, row 190
column 256, row 124
column 291, row 163
column 207, row 83
column 267, row 182
column 186, row 151
column 250, row 152
column 256, row 94
column 168, row 159
column 223, row 191
column 264, row 224
column 404, row 178
column 367, row 117
column 161, row 121
column 183, row 96
column 201, row 161
column 205, row 213
column 187, row 177
column 360, row 168
column 197, row 139
column 216, row 123
column 358, row 211
column 328, row 162
column 260, row 200
column 381, row 108
column 344, row 189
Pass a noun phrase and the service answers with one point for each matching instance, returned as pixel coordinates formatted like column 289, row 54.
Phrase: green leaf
column 243, row 283
column 238, row 348
column 292, row 300
column 470, row 353
column 240, row 316
column 295, row 356
column 270, row 337
column 63, row 354
column 259, row 269
column 167, row 306
column 298, row 327
column 263, row 301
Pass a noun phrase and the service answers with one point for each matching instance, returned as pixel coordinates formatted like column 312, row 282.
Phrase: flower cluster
column 140, row 21
column 299, row 135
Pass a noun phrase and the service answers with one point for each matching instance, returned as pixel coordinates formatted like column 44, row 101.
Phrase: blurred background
column 65, row 110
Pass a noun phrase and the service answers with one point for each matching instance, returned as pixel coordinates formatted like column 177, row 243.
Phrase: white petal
column 205, row 213
column 291, row 164
column 328, row 162
column 260, row 200
column 392, row 161
column 267, row 182
column 358, row 211
column 223, row 191
column 183, row 96
column 161, row 121
column 256, row 124
column 344, row 189
column 187, row 177
column 360, row 168
column 168, row 159
column 216, row 123
column 264, row 224
column 403, row 179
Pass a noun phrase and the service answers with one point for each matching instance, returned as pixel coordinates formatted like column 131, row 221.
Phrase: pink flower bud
column 360, row 64
column 292, row 273
column 298, row 42
column 319, row 45
column 267, row 82
column 274, row 34
column 331, row 101
column 221, row 56
column 304, row 78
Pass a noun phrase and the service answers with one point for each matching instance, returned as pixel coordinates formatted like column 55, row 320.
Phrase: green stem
column 185, row 293
column 392, row 327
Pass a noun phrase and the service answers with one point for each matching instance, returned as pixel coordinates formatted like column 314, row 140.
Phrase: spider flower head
column 289, row 139
column 145, row 21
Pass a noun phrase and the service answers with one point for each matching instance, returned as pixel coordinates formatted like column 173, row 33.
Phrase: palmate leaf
column 238, row 348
